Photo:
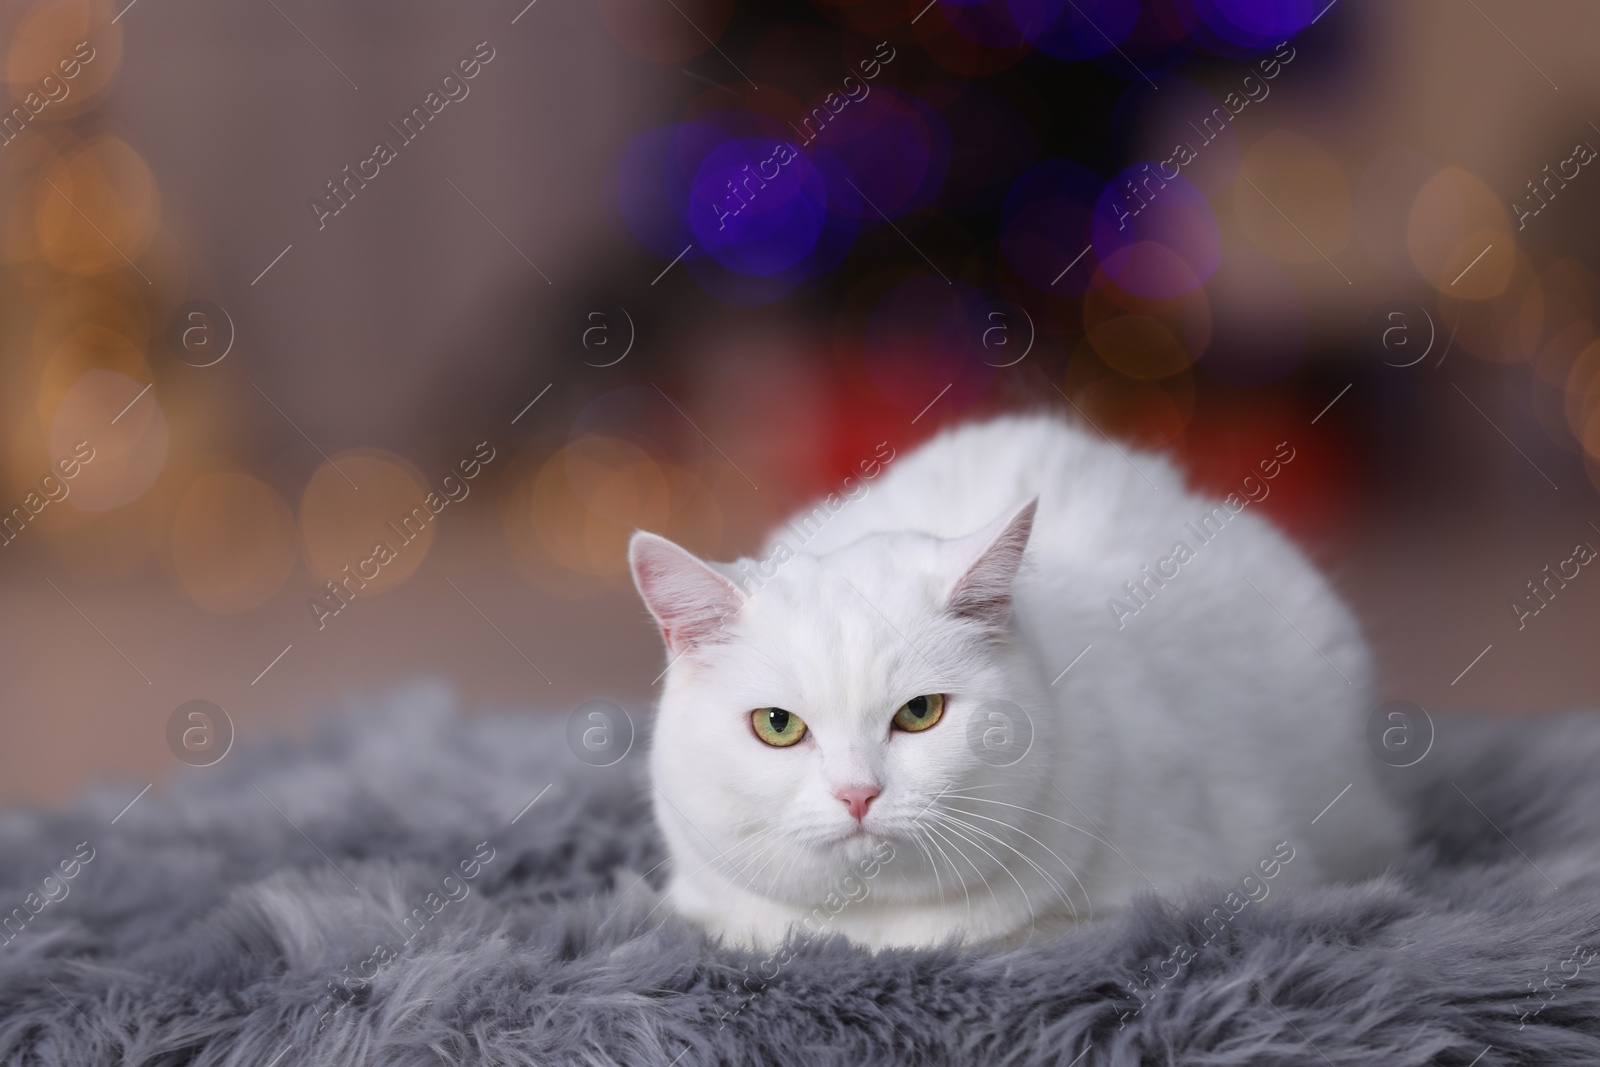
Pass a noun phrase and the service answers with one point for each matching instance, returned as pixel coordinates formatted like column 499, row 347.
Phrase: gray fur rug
column 367, row 898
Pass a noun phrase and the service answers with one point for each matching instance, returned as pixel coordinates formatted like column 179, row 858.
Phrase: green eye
column 777, row 727
column 919, row 713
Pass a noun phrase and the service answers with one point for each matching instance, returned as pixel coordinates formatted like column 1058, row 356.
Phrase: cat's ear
column 689, row 600
column 990, row 559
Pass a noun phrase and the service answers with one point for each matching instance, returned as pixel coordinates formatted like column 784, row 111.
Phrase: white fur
column 1188, row 741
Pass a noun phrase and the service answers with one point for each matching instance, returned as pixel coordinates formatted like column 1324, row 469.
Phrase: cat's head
column 806, row 723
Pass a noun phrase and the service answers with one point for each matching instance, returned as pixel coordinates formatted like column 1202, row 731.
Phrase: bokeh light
column 864, row 16
column 95, row 207
column 1075, row 29
column 1189, row 315
column 1046, row 226
column 733, row 195
column 1155, row 235
column 1186, row 125
column 1517, row 319
column 85, row 349
column 1555, row 358
column 1162, row 38
column 1454, row 220
column 646, row 417
column 1149, row 413
column 1139, row 346
column 107, row 305
column 233, row 542
column 1250, row 25
column 653, row 191
column 1298, row 208
column 892, row 147
column 973, row 41
column 1507, row 327
column 570, row 514
column 618, row 481
column 1583, row 398
column 986, row 23
column 1571, row 294
column 655, row 178
column 757, row 206
column 1382, row 205
column 57, row 38
column 126, row 433
column 358, row 501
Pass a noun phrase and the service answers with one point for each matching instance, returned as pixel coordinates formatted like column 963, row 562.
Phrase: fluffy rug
column 368, row 899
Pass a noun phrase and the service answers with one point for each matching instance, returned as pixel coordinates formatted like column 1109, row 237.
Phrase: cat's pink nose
column 857, row 797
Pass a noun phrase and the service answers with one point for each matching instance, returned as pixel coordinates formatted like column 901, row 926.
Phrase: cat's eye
column 777, row 727
column 919, row 713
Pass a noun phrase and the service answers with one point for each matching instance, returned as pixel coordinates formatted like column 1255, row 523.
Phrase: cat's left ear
column 991, row 558
column 689, row 600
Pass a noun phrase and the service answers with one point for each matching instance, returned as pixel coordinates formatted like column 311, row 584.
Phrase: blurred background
column 492, row 284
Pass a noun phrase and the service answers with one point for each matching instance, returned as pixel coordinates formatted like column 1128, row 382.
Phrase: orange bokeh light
column 1305, row 185
column 96, row 206
column 45, row 44
column 1459, row 236
column 126, row 432
column 354, row 503
column 232, row 541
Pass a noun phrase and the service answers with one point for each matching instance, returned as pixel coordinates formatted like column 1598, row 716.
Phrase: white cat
column 879, row 736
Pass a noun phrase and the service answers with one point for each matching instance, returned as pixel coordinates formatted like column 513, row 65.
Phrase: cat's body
column 1196, row 731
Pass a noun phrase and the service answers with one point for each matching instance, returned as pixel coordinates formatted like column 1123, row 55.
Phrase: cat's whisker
column 748, row 843
column 726, row 856
column 1064, row 864
column 1032, row 811
column 955, row 872
column 765, row 855
column 933, row 865
column 621, row 897
column 1092, row 836
column 788, row 865
column 953, row 825
column 917, row 829
column 924, row 604
column 1060, row 890
column 1107, row 839
column 780, row 877
column 975, row 870
column 1046, row 875
column 652, row 911
column 762, row 847
column 736, row 850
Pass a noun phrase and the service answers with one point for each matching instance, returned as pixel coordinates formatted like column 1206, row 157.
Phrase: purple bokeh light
column 986, row 22
column 1185, row 124
column 1240, row 26
column 1045, row 226
column 651, row 193
column 1076, row 30
column 757, row 206
column 894, row 148
column 1154, row 233
column 750, row 213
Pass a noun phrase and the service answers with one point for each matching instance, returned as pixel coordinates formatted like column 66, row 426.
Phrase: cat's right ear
column 689, row 600
column 984, row 589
